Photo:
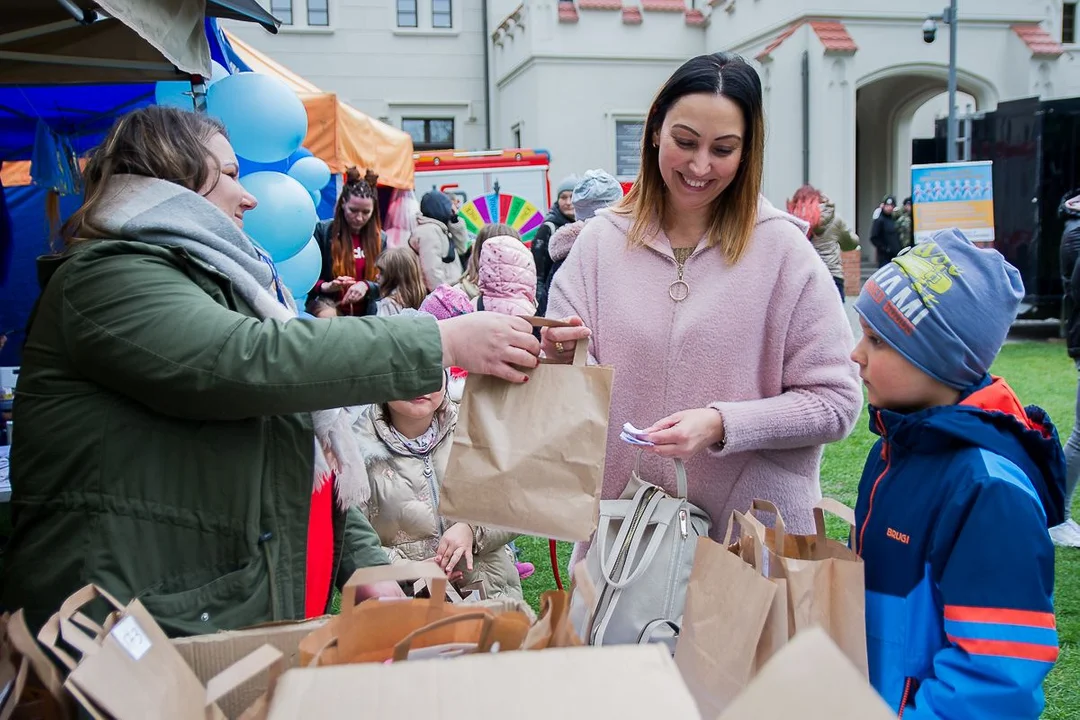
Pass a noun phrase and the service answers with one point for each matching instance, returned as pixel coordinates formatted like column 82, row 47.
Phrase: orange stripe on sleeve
column 1001, row 616
column 1001, row 648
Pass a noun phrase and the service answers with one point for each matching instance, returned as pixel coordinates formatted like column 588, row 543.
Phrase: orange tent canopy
column 338, row 134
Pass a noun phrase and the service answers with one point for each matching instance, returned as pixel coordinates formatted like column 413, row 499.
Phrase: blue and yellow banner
column 953, row 195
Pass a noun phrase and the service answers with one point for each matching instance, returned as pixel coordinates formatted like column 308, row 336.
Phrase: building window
column 318, row 13
column 406, row 13
column 440, row 14
column 282, row 10
column 430, row 133
column 516, row 132
column 628, row 147
column 1068, row 23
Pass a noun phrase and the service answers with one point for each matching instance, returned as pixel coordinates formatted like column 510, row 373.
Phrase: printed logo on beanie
column 909, row 286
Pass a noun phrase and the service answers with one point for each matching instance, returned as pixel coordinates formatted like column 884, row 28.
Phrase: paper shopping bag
column 380, row 630
column 31, row 687
column 824, row 579
column 529, row 458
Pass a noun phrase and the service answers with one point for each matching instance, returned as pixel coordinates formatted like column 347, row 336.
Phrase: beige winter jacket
column 431, row 240
column 831, row 236
column 405, row 495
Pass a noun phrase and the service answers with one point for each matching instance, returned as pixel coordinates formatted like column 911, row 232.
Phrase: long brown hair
column 735, row 211
column 342, row 258
column 156, row 141
column 399, row 274
column 472, row 272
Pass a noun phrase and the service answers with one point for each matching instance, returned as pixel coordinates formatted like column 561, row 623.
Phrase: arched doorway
column 886, row 104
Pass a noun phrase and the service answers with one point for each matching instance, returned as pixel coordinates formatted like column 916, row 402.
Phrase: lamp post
column 947, row 16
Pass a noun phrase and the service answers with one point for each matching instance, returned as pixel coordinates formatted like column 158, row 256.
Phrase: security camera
column 929, row 30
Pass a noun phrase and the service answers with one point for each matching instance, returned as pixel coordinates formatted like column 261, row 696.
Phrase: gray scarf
column 158, row 212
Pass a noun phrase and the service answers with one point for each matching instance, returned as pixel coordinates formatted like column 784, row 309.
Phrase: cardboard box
column 629, row 682
column 208, row 655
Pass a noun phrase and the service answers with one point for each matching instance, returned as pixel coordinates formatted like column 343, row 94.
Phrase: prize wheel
column 517, row 212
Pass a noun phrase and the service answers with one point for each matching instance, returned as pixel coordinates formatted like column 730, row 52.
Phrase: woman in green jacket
column 173, row 411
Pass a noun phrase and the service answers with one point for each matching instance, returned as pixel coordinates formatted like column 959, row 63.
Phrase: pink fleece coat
column 507, row 277
column 765, row 342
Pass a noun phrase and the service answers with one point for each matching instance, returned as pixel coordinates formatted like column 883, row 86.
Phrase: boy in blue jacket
column 957, row 495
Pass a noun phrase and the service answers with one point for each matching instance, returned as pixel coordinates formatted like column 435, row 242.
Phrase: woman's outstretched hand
column 558, row 344
column 490, row 344
column 686, row 433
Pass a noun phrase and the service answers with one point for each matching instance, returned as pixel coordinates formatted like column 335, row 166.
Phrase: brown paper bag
column 380, row 630
column 530, row 458
column 128, row 669
column 30, row 684
column 810, row 679
column 823, row 578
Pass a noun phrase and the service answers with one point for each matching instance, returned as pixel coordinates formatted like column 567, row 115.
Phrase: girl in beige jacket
column 406, row 446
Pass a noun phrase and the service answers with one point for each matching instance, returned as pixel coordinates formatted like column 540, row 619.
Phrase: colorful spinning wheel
column 517, row 212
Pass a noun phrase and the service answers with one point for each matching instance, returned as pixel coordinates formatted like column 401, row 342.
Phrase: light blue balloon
column 174, row 93
column 311, row 172
column 316, row 198
column 265, row 119
column 284, row 218
column 217, row 72
column 303, row 152
column 300, row 272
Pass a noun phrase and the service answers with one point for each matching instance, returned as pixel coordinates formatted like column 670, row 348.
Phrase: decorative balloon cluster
column 267, row 124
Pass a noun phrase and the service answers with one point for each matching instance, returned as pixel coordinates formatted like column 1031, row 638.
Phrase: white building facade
column 843, row 79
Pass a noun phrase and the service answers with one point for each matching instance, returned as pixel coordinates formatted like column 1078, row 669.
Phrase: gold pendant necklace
column 679, row 290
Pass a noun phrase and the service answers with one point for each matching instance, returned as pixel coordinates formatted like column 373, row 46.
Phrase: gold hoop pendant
column 678, row 290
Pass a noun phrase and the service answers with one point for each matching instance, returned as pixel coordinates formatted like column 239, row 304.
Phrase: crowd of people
column 230, row 457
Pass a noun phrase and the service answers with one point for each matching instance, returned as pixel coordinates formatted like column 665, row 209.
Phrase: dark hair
column 156, row 141
column 472, row 272
column 735, row 212
column 342, row 259
column 318, row 302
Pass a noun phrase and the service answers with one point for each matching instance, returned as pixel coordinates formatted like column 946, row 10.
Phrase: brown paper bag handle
column 23, row 642
column 48, row 636
column 73, row 623
column 833, row 507
column 401, row 650
column 780, row 532
column 266, row 658
column 316, row 658
column 753, row 531
column 18, row 679
column 581, row 348
column 397, row 572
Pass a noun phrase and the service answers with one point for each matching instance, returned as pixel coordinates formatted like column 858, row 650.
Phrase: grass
column 1041, row 374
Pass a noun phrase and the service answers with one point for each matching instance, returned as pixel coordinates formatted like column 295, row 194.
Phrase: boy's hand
column 457, row 542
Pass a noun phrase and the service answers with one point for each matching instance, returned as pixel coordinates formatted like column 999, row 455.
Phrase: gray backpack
column 639, row 563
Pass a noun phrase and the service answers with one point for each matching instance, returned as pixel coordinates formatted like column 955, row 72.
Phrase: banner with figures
column 953, row 195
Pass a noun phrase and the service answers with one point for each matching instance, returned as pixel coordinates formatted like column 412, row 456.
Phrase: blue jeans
column 1072, row 456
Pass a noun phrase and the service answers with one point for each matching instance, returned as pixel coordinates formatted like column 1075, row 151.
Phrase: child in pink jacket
column 507, row 277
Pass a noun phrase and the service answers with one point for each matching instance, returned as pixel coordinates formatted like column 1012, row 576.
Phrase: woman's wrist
column 719, row 435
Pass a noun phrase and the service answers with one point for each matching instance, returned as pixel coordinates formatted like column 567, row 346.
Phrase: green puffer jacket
column 165, row 447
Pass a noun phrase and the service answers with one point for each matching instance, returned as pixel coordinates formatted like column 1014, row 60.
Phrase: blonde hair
column 472, row 272
column 156, row 141
column 734, row 213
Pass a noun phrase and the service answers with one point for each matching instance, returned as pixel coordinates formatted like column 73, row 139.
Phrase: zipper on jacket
column 909, row 686
column 264, row 539
column 429, row 473
column 885, row 455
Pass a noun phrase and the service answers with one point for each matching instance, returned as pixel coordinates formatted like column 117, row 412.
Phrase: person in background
column 718, row 317
column 198, row 416
column 1067, row 534
column 883, row 233
column 322, row 307
column 350, row 243
column 507, row 277
column 469, row 280
column 406, row 446
column 957, row 495
column 560, row 214
column 828, row 232
column 400, row 284
column 438, row 240
column 596, row 191
column 905, row 225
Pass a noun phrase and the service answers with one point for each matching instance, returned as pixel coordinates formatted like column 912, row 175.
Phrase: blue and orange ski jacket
column 951, row 521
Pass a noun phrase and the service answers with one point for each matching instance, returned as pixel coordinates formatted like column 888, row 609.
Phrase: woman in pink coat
column 721, row 322
column 507, row 277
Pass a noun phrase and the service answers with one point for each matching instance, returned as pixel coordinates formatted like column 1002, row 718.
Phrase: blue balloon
column 299, row 154
column 265, row 119
column 310, row 172
column 300, row 272
column 316, row 198
column 284, row 218
column 174, row 93
column 248, row 167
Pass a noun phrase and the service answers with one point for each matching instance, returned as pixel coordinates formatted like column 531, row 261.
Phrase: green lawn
column 1041, row 374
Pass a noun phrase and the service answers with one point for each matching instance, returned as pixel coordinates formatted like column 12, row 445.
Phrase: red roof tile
column 1038, row 40
column 696, row 18
column 664, row 5
column 778, row 41
column 631, row 16
column 599, row 4
column 834, row 36
column 567, row 12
